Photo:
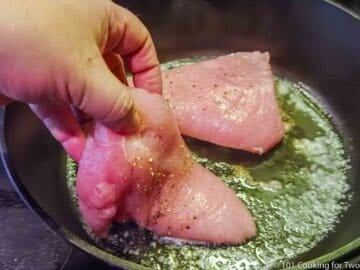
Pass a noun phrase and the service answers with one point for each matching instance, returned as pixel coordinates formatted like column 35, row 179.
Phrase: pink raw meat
column 151, row 178
column 229, row 101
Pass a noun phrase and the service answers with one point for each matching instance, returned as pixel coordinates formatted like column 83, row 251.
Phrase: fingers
column 116, row 65
column 133, row 42
column 103, row 96
column 62, row 124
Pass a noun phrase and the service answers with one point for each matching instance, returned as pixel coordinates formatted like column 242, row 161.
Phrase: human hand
column 58, row 54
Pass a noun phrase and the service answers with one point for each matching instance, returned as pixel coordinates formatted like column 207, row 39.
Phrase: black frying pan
column 311, row 41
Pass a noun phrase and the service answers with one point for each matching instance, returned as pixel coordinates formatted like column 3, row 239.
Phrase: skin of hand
column 64, row 54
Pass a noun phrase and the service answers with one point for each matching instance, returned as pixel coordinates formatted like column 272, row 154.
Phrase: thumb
column 104, row 97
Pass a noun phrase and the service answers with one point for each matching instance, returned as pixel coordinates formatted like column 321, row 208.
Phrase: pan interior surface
column 296, row 193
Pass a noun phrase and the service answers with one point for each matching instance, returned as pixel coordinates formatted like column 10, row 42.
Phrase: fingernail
column 130, row 124
column 134, row 122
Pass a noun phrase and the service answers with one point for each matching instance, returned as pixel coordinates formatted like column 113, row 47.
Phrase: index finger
column 133, row 42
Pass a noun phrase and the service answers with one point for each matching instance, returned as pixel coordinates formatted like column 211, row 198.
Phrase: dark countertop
column 26, row 242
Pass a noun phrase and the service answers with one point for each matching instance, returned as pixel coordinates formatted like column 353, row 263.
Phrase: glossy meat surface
column 229, row 101
column 150, row 177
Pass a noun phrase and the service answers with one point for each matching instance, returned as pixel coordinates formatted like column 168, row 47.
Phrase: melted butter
column 296, row 193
